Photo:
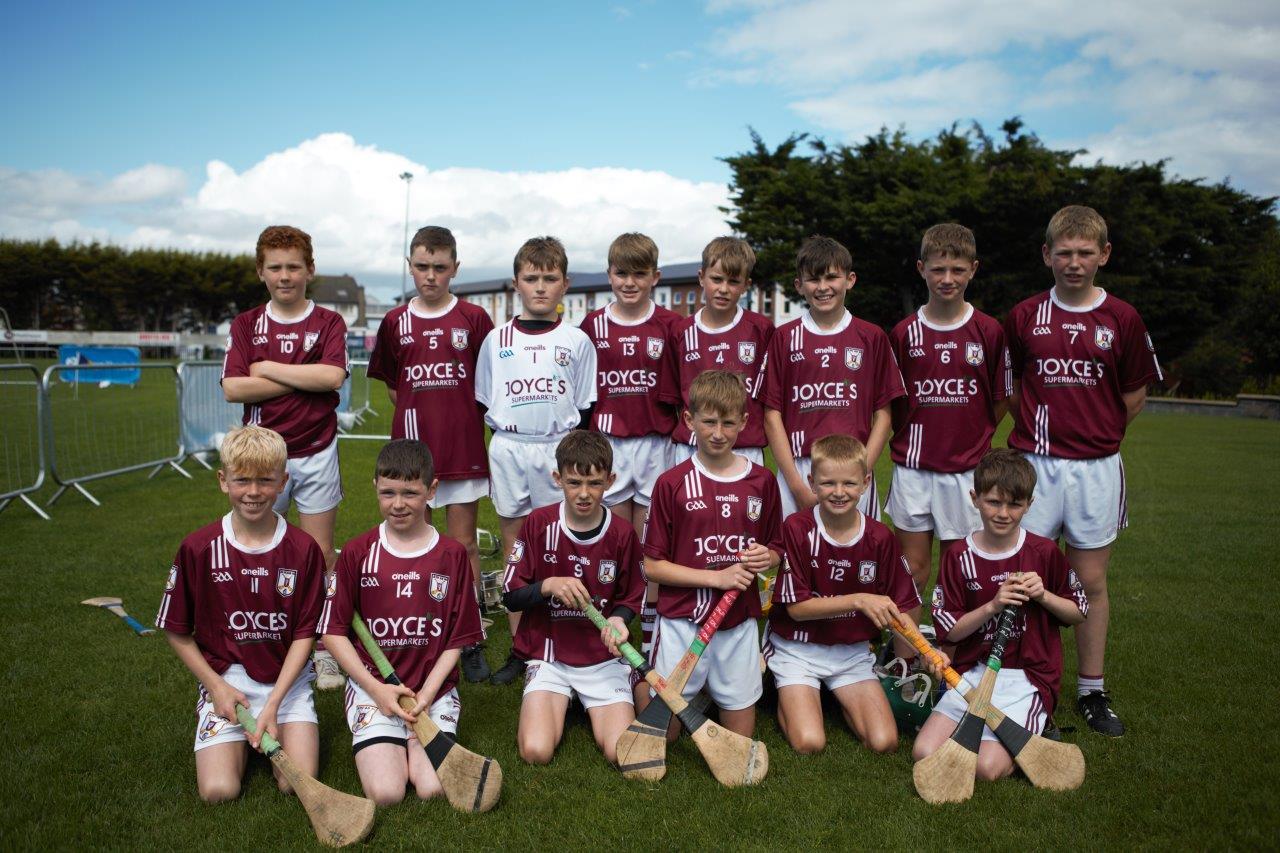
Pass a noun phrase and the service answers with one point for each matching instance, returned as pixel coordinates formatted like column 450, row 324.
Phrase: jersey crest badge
column 1102, row 336
column 746, row 351
column 439, row 586
column 753, row 508
column 562, row 356
column 286, row 581
column 331, row 584
column 309, row 340
column 212, row 725
column 608, row 571
column 517, row 552
column 853, row 357
column 1073, row 580
column 973, row 354
column 364, row 716
column 654, row 347
column 937, row 596
column 866, row 571
column 458, row 338
column 173, row 578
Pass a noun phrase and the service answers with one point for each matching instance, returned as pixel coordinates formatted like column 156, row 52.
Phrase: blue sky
column 163, row 124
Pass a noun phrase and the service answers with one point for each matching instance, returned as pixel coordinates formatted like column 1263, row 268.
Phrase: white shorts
column 606, row 683
column 729, row 668
column 366, row 722
column 315, row 482
column 1015, row 696
column 868, row 504
column 1081, row 500
column 450, row 492
column 811, row 664
column 684, row 452
column 637, row 462
column 298, row 706
column 920, row 501
column 520, row 475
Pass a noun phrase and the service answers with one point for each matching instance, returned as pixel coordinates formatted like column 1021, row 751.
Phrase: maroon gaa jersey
column 1074, row 364
column 631, row 359
column 307, row 420
column 417, row 606
column 429, row 360
column 828, row 381
column 610, row 566
column 738, row 347
column 702, row 521
column 968, row 578
column 817, row 567
column 954, row 376
column 244, row 605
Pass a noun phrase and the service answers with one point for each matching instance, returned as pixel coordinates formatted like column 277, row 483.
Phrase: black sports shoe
column 474, row 667
column 1095, row 707
column 510, row 671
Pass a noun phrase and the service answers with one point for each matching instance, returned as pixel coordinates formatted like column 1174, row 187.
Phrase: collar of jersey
column 407, row 555
column 515, row 327
column 968, row 315
column 812, row 327
column 822, row 530
column 704, row 472
column 1083, row 309
column 428, row 315
column 1022, row 538
column 697, row 321
column 612, row 319
column 311, row 306
column 230, row 535
column 564, row 527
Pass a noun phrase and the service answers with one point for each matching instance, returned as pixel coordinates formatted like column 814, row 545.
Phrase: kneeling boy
column 1003, row 564
column 240, row 609
column 414, row 590
column 570, row 554
column 843, row 582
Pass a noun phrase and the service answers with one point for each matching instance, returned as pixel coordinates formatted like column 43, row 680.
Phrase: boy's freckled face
column 403, row 503
column 839, row 486
column 541, row 290
column 715, row 433
column 1001, row 514
column 632, row 287
column 946, row 276
column 720, row 290
column 583, row 492
column 825, row 293
column 252, row 495
column 286, row 275
column 1075, row 261
column 432, row 271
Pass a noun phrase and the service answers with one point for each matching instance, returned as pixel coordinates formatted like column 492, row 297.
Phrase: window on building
column 676, row 297
column 662, row 297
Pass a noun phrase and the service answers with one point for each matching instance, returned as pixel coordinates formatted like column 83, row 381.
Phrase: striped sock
column 1088, row 684
column 648, row 618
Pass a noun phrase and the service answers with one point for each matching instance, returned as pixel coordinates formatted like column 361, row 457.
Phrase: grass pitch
column 98, row 723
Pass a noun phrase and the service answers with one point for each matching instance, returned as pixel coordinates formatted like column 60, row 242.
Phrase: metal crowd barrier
column 355, row 404
column 205, row 413
column 22, row 415
column 106, row 430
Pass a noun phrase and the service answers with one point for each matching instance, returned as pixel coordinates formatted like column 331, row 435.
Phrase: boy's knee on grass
column 881, row 741
column 383, row 792
column 215, row 791
column 992, row 767
column 536, row 749
column 806, row 740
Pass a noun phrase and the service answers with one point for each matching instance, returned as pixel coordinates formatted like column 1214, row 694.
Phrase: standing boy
column 721, row 335
column 1082, row 360
column 826, row 372
column 956, row 369
column 285, row 362
column 569, row 555
column 239, row 610
column 843, row 582
column 426, row 354
column 537, row 378
column 414, row 590
column 999, row 565
column 714, row 525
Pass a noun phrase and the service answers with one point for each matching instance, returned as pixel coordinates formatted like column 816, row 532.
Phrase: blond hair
column 838, row 449
column 949, row 239
column 633, row 253
column 253, row 450
column 734, row 255
column 719, row 391
column 1076, row 220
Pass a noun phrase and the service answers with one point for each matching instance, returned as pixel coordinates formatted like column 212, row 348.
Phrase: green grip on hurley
column 270, row 746
column 371, row 646
column 633, row 657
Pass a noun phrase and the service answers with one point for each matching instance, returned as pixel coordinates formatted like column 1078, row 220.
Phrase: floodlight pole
column 407, row 177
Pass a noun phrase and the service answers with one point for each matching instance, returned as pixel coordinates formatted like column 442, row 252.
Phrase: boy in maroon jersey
column 843, row 582
column 239, row 609
column 714, row 525
column 414, row 590
column 826, row 372
column 956, row 369
column 999, row 565
column 721, row 335
column 285, row 362
column 426, row 354
column 1082, row 360
column 570, row 554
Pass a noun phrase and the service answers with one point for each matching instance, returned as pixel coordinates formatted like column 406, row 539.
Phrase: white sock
column 1088, row 684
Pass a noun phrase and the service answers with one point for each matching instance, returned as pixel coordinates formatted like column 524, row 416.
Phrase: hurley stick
column 642, row 748
column 109, row 602
column 946, row 776
column 1048, row 764
column 339, row 819
column 471, row 782
column 733, row 759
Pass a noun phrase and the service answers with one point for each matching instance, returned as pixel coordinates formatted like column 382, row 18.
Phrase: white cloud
column 350, row 199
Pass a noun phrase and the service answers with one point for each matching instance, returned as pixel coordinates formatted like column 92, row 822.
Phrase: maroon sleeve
column 483, row 326
column 1061, row 580
column 669, row 380
column 521, row 567
column 888, row 377
column 896, row 581
column 629, row 591
column 769, row 383
column 239, row 348
column 1137, row 361
column 948, row 596
column 310, row 593
column 771, row 516
column 177, row 605
column 333, row 349
column 795, row 577
column 1017, row 352
column 998, row 364
column 382, row 361
column 657, row 526
column 340, row 601
column 465, row 627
